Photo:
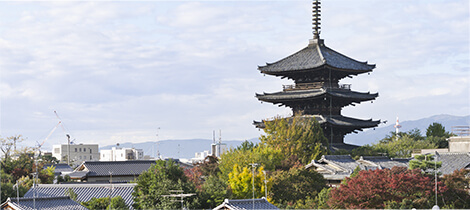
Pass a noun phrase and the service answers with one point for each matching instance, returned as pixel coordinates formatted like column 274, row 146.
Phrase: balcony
column 317, row 85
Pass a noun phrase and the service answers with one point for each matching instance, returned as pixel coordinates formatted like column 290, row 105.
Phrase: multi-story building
column 121, row 154
column 77, row 153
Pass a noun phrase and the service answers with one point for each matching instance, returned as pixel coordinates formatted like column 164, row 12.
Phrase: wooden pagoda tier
column 321, row 101
column 335, row 127
column 316, row 63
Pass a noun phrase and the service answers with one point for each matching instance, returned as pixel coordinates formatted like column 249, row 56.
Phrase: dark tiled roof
column 337, row 120
column 453, row 161
column 117, row 168
column 85, row 192
column 315, row 93
column 383, row 162
column 44, row 203
column 316, row 55
column 60, row 168
column 240, row 204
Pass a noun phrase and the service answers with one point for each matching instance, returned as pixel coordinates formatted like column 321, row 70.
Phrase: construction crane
column 66, row 135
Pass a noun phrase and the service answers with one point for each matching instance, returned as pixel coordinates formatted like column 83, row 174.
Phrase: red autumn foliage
column 374, row 189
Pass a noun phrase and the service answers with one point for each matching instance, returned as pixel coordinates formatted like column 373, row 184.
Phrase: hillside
column 372, row 136
column 177, row 148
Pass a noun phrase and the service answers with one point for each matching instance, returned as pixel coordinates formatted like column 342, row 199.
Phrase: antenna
column 397, row 128
column 158, row 144
column 316, row 17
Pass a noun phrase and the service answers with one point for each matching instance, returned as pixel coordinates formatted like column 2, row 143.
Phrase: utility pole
column 68, row 149
column 253, row 165
column 265, row 186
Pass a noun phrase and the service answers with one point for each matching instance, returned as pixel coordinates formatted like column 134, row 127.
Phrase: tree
column 117, row 203
column 458, row 184
column 401, row 147
column 385, row 188
column 6, row 145
column 437, row 134
column 425, row 162
column 292, row 188
column 97, row 203
column 266, row 156
column 160, row 180
column 213, row 192
column 69, row 192
column 296, row 136
column 241, row 182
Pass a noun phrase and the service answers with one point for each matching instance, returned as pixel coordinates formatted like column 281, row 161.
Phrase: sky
column 137, row 71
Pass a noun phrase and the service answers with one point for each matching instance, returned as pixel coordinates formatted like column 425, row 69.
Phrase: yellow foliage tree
column 241, row 182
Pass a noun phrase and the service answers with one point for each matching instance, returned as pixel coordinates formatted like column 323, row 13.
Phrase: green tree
column 437, row 134
column 401, row 147
column 69, row 192
column 292, row 188
column 97, row 203
column 321, row 201
column 298, row 136
column 117, row 203
column 426, row 163
column 213, row 192
column 160, row 180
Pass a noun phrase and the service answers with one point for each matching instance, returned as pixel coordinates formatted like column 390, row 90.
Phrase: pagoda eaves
column 316, row 57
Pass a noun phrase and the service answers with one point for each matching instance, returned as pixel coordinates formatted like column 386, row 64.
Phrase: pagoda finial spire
column 316, row 17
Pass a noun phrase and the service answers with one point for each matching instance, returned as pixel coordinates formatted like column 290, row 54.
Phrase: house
column 60, row 169
column 113, row 171
column 240, row 204
column 110, row 171
column 43, row 203
column 121, row 154
column 85, row 191
column 335, row 168
column 77, row 152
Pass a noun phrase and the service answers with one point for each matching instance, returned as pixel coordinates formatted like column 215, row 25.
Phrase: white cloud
column 115, row 71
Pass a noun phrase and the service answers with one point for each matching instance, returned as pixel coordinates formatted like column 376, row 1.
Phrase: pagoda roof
column 337, row 121
column 316, row 55
column 315, row 93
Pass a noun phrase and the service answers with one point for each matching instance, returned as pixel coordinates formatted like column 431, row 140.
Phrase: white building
column 216, row 150
column 121, row 154
column 78, row 152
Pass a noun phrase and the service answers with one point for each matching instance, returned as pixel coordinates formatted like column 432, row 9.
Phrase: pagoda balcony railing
column 305, row 86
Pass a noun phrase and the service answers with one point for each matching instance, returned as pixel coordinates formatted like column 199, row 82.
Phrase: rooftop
column 44, row 203
column 316, row 55
column 240, row 204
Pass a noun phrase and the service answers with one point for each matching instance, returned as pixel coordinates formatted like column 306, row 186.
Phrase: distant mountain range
column 374, row 135
column 187, row 148
column 178, row 148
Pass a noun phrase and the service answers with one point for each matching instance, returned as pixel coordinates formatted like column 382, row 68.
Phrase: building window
column 84, row 149
column 80, row 157
column 80, row 149
column 91, row 157
column 75, row 149
column 90, row 151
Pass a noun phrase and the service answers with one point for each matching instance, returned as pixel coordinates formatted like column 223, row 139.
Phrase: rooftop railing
column 461, row 130
column 305, row 86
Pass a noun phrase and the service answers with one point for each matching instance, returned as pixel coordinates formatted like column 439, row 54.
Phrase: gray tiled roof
column 118, row 168
column 85, row 192
column 382, row 162
column 44, row 203
column 315, row 93
column 338, row 120
column 338, row 167
column 316, row 55
column 454, row 161
column 60, row 168
column 240, row 204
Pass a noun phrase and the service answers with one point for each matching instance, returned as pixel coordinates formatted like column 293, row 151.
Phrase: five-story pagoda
column 316, row 71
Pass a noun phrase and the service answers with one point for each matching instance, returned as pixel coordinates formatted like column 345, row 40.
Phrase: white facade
column 78, row 153
column 121, row 154
column 216, row 150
